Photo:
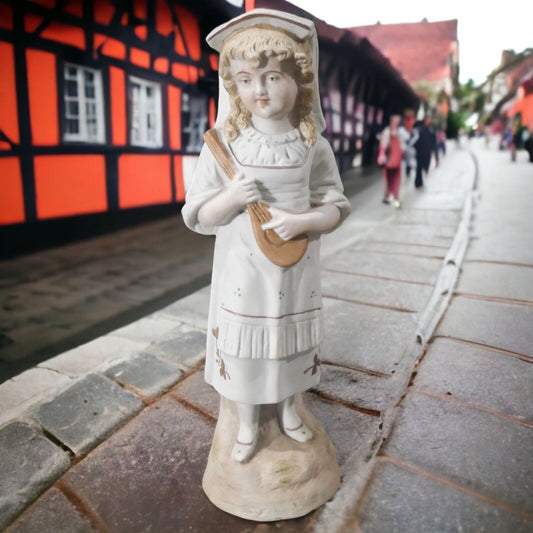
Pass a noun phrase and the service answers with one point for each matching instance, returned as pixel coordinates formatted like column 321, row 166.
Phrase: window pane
column 72, row 126
column 71, row 88
column 194, row 119
column 71, row 72
column 90, row 110
column 72, row 108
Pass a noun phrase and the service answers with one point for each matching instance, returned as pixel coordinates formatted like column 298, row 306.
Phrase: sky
column 485, row 27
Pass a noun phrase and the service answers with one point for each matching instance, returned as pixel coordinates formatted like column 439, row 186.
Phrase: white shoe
column 397, row 204
column 242, row 451
column 300, row 434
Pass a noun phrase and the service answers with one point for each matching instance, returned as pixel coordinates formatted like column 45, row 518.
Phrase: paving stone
column 397, row 294
column 399, row 500
column 502, row 382
column 21, row 392
column 350, row 431
column 395, row 248
column 192, row 309
column 506, row 281
column 426, row 235
column 396, row 267
column 427, row 217
column 52, row 513
column 491, row 244
column 164, row 450
column 356, row 388
column 484, row 452
column 438, row 199
column 500, row 325
column 87, row 412
column 88, row 357
column 146, row 373
column 179, row 346
column 29, row 464
column 196, row 391
column 365, row 337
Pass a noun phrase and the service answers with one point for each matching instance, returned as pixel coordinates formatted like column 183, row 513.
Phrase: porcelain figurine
column 267, row 186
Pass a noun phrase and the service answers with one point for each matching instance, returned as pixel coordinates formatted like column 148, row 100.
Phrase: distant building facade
column 103, row 103
column 508, row 89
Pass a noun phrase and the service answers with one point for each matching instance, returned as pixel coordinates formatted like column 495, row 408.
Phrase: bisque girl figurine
column 265, row 315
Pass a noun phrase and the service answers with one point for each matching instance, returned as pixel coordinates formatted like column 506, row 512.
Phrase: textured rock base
column 284, row 479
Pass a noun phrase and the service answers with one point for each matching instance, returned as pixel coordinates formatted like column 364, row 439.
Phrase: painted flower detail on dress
column 220, row 362
column 222, row 368
column 316, row 365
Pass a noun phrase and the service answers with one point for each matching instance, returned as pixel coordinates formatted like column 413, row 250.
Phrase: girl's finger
column 271, row 225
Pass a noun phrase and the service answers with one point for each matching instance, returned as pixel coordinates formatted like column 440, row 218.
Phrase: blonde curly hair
column 257, row 47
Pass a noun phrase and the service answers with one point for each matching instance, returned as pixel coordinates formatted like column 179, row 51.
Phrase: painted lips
column 263, row 101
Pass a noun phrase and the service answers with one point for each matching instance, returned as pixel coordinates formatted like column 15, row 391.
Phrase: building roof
column 357, row 44
column 420, row 50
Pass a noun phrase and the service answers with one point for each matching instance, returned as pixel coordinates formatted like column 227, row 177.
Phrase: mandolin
column 280, row 252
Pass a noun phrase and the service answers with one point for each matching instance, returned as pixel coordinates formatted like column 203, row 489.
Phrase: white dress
column 265, row 321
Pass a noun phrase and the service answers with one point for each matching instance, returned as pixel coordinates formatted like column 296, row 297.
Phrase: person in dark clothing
column 528, row 145
column 425, row 146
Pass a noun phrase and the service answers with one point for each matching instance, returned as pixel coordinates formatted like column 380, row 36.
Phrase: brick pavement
column 430, row 416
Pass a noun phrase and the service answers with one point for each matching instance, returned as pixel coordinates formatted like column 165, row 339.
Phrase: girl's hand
column 286, row 225
column 316, row 220
column 242, row 191
column 223, row 206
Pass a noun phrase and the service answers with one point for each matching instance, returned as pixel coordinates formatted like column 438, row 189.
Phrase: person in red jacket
column 392, row 143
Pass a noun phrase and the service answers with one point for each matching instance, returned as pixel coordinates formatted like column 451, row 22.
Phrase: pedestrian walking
column 516, row 140
column 392, row 143
column 409, row 154
column 425, row 145
column 441, row 143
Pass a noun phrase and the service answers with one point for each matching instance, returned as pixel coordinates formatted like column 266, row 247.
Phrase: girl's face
column 267, row 92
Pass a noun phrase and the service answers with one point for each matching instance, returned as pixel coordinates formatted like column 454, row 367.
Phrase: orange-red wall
column 69, row 178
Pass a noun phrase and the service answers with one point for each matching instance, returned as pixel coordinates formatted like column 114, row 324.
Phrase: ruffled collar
column 253, row 148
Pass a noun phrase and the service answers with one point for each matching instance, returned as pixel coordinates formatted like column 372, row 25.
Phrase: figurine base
column 283, row 479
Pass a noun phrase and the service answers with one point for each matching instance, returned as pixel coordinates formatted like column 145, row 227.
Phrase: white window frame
column 90, row 116
column 146, row 120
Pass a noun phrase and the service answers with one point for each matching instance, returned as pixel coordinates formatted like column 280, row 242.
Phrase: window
column 84, row 105
column 194, row 119
column 146, row 121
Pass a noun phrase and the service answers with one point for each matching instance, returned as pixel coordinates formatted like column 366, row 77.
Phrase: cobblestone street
column 425, row 392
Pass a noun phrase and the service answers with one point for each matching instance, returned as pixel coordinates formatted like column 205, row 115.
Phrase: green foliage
column 470, row 98
column 456, row 121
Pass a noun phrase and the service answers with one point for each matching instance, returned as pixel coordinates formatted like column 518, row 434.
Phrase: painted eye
column 273, row 78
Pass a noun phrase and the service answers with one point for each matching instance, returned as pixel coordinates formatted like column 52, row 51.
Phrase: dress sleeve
column 325, row 182
column 207, row 182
